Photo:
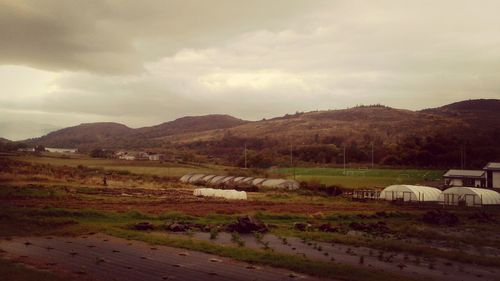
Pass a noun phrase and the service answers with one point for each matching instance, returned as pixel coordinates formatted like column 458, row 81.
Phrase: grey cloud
column 118, row 36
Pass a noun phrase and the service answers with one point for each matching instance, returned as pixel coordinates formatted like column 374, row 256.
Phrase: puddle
column 106, row 258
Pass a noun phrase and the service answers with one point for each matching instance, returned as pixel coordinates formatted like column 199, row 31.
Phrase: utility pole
column 372, row 155
column 245, row 155
column 291, row 159
column 344, row 159
column 465, row 154
column 462, row 157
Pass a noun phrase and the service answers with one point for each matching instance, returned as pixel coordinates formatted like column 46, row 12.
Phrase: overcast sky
column 145, row 62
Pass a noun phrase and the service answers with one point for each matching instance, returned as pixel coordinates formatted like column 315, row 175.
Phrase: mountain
column 83, row 135
column 430, row 137
column 114, row 135
column 479, row 105
column 190, row 124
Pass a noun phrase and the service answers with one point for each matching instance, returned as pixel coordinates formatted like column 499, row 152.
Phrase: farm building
column 492, row 175
column 259, row 182
column 410, row 193
column 156, row 157
column 469, row 196
column 470, row 178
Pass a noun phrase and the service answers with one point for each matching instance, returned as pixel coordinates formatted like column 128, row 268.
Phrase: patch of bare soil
column 157, row 201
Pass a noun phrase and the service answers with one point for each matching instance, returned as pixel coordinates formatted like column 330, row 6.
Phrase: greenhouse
column 259, row 182
column 410, row 193
column 221, row 193
column 469, row 196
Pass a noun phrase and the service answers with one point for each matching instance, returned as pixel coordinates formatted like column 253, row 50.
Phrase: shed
column 469, row 196
column 410, row 193
column 472, row 178
column 492, row 170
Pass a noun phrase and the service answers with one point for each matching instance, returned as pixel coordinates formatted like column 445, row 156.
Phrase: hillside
column 430, row 137
column 190, row 124
column 115, row 135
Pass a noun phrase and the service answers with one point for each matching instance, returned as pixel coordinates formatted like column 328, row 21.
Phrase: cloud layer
column 143, row 63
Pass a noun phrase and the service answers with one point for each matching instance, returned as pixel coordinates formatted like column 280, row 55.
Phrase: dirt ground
column 180, row 200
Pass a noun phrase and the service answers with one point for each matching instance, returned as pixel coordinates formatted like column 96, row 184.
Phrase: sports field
column 361, row 178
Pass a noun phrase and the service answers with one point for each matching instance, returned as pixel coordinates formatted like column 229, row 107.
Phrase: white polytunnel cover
column 185, row 178
column 226, row 179
column 222, row 193
column 409, row 193
column 216, row 179
column 264, row 182
column 470, row 196
column 196, row 177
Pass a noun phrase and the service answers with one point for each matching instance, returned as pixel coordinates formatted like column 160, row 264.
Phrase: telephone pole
column 372, row 155
column 291, row 159
column 245, row 155
column 344, row 160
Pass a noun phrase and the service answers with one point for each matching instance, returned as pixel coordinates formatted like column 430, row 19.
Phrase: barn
column 410, row 193
column 469, row 196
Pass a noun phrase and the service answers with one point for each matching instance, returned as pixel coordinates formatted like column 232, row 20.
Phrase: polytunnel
column 216, row 179
column 281, row 183
column 469, row 196
column 196, row 177
column 207, row 178
column 186, row 177
column 221, row 193
column 226, row 179
column 410, row 193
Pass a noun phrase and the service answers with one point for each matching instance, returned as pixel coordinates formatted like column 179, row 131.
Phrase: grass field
column 361, row 178
column 136, row 167
column 55, row 197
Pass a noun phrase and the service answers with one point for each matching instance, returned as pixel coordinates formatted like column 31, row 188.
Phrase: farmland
column 46, row 199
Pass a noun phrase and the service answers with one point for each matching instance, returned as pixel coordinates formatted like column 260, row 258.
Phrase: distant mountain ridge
column 406, row 136
column 103, row 134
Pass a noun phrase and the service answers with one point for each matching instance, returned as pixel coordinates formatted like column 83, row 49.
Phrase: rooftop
column 464, row 173
column 492, row 166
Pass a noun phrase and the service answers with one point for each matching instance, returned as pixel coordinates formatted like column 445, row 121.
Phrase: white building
column 492, row 175
column 470, row 178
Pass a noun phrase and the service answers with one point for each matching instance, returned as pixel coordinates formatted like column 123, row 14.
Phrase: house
column 141, row 156
column 469, row 178
column 61, row 150
column 492, row 170
column 156, row 157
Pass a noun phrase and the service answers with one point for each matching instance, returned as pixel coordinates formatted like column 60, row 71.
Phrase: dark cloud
column 118, row 36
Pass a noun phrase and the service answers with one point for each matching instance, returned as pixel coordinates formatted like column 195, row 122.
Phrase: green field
column 351, row 178
column 361, row 178
column 136, row 167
